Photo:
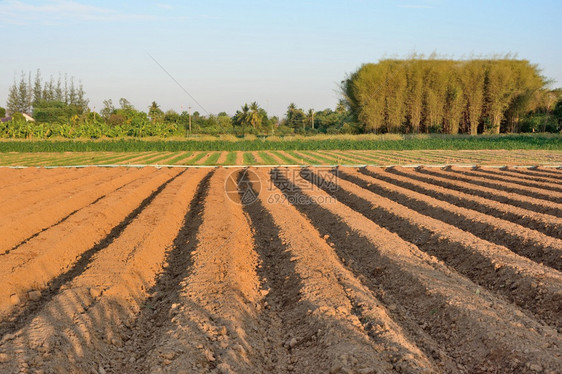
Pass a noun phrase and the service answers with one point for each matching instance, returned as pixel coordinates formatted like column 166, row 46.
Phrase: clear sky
column 226, row 53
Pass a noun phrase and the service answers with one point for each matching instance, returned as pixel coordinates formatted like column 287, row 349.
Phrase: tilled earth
column 279, row 270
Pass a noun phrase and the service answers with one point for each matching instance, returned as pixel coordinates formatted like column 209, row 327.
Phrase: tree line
column 450, row 96
column 47, row 101
column 402, row 96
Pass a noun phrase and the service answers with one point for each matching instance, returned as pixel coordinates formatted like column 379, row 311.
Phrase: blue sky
column 226, row 53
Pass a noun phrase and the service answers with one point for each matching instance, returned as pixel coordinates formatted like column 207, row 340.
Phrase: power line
column 178, row 83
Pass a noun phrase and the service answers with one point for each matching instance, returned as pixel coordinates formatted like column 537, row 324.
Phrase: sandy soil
column 320, row 271
column 222, row 158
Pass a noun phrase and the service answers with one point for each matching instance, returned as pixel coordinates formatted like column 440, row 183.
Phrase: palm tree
column 310, row 117
column 254, row 117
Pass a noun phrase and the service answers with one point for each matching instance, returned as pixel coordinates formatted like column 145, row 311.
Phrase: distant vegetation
column 393, row 96
column 449, row 96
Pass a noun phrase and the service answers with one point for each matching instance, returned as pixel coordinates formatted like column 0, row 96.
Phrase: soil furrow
column 340, row 326
column 444, row 179
column 416, row 181
column 216, row 302
column 36, row 263
column 24, row 313
column 519, row 239
column 531, row 286
column 29, row 201
column 541, row 172
column 504, row 175
column 150, row 329
column 474, row 177
column 472, row 326
column 101, row 302
column 18, row 177
column 532, row 175
column 28, row 223
column 42, row 183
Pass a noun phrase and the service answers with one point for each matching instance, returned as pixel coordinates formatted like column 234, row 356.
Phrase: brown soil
column 42, row 178
column 259, row 160
column 36, row 215
column 17, row 177
column 544, row 184
column 43, row 258
column 536, row 190
column 278, row 159
column 469, row 325
column 448, row 179
column 222, row 158
column 519, row 239
column 239, row 158
column 371, row 272
column 537, row 174
column 416, row 181
column 202, row 160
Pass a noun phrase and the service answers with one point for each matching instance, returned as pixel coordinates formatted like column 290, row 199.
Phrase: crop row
column 481, row 157
column 382, row 142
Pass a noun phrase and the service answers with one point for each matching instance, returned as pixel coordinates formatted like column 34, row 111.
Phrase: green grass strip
column 212, row 160
column 179, row 157
column 286, row 159
column 195, row 159
column 324, row 159
column 249, row 159
column 230, row 158
column 267, row 158
column 302, row 159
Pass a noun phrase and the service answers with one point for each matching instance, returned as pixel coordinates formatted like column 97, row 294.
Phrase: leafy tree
column 37, row 89
column 296, row 118
column 59, row 92
column 454, row 103
column 444, row 95
column 414, row 95
column 394, row 95
column 13, row 99
column 310, row 118
column 54, row 112
column 108, row 109
column 125, row 104
column 2, row 112
column 242, row 118
column 171, row 116
column 155, row 113
column 434, row 91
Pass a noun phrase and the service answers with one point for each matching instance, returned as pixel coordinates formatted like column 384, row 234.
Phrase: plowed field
column 278, row 270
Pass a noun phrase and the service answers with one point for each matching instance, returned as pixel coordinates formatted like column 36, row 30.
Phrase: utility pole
column 189, row 111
